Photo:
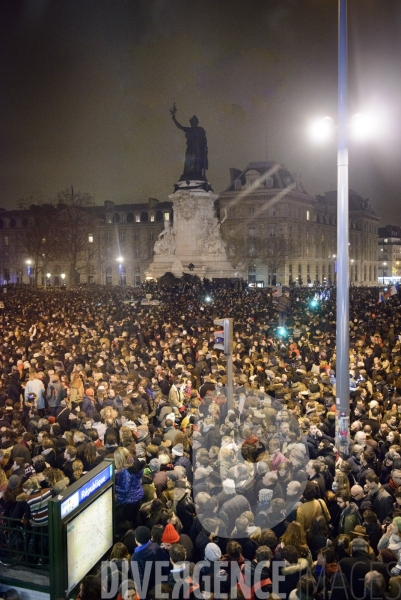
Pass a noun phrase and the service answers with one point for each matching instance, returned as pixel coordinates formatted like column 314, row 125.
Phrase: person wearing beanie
column 170, row 536
column 391, row 539
column 211, row 576
column 263, row 507
column 147, row 552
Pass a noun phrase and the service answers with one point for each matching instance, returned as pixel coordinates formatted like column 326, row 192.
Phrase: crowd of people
column 250, row 499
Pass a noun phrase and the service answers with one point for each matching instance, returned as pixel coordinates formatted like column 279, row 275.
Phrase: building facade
column 272, row 228
column 284, row 235
column 389, row 254
column 116, row 245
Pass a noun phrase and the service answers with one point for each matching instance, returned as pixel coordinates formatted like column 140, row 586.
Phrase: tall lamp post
column 342, row 338
column 29, row 262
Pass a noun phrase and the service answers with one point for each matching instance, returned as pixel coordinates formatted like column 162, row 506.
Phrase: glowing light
column 321, row 130
column 208, row 299
column 281, row 330
column 313, row 303
column 366, row 126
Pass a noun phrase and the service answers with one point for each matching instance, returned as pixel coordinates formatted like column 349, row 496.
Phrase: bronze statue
column 196, row 163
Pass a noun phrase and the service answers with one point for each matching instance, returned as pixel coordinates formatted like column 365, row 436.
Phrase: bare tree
column 75, row 225
column 275, row 252
column 39, row 241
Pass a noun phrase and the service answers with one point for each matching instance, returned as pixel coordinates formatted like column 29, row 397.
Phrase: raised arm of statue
column 172, row 112
column 225, row 217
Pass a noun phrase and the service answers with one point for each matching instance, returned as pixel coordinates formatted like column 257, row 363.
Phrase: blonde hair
column 77, row 468
column 122, row 458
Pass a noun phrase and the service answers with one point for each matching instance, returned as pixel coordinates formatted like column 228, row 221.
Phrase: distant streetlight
column 120, row 261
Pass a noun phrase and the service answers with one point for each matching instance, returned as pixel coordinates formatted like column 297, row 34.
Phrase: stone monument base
column 194, row 239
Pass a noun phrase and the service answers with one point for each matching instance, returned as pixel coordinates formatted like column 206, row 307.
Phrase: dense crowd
column 250, row 500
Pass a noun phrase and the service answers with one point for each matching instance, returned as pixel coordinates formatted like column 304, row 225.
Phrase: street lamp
column 48, row 275
column 29, row 262
column 62, row 277
column 120, row 261
column 384, row 264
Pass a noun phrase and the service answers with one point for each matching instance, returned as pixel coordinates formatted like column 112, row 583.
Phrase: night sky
column 86, row 87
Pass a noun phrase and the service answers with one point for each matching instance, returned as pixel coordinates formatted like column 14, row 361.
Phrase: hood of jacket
column 301, row 565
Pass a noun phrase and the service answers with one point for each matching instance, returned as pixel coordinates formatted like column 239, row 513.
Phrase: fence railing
column 23, row 545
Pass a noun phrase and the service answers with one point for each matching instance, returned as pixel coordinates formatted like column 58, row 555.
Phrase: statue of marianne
column 196, row 163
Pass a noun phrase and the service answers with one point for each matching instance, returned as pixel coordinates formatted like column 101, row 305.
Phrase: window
column 108, row 236
column 137, row 218
column 251, row 231
column 151, row 236
column 252, row 273
column 322, row 237
column 386, row 240
column 308, row 215
column 272, row 232
column 121, row 236
column 90, row 238
column 109, row 273
column 6, row 240
column 269, row 182
column 231, row 213
column 137, row 277
column 136, row 237
column 91, row 279
column 252, row 249
column 152, row 218
column 167, row 216
column 136, row 252
column 251, row 211
column 108, row 253
column 237, row 184
column 91, row 254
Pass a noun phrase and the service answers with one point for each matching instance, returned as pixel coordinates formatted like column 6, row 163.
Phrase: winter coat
column 349, row 518
column 233, row 508
column 87, row 407
column 290, row 575
column 308, row 511
column 128, row 487
column 182, row 461
column 149, row 553
column 382, row 504
column 355, row 568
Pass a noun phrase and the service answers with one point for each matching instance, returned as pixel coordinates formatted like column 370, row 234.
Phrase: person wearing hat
column 212, row 576
column 179, row 460
column 392, row 537
column 170, row 536
column 147, row 553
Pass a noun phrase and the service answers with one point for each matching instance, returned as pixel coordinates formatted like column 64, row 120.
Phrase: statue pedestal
column 197, row 238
